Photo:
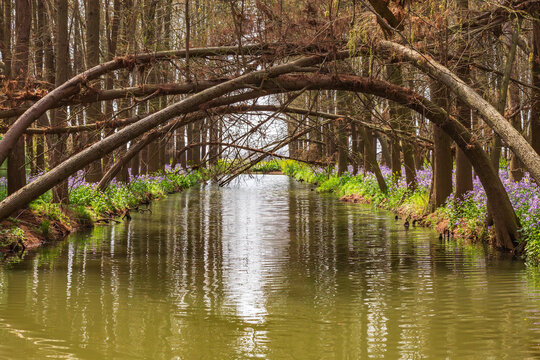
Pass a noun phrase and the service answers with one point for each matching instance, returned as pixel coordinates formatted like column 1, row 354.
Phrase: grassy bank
column 465, row 218
column 45, row 221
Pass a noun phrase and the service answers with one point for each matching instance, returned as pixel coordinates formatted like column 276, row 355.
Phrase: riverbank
column 465, row 219
column 45, row 222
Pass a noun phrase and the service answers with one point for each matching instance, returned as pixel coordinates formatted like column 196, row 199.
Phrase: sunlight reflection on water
column 266, row 268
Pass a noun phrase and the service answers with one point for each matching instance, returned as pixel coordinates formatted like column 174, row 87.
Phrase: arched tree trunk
column 506, row 222
column 515, row 141
column 73, row 86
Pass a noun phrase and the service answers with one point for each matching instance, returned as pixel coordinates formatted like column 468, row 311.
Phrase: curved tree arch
column 515, row 141
column 74, row 85
column 506, row 222
column 387, row 49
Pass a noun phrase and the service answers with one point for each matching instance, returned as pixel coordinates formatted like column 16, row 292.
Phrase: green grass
column 266, row 166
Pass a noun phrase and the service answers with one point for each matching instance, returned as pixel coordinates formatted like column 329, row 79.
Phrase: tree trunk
column 19, row 72
column 372, row 159
column 386, row 158
column 535, row 74
column 516, row 167
column 60, row 191
column 213, row 149
column 42, row 121
column 93, row 113
column 503, row 95
column 355, row 148
column 404, row 122
column 443, row 162
column 180, row 144
column 464, row 181
column 5, row 38
column 112, row 41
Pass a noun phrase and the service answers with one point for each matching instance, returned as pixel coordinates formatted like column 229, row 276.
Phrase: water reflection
column 266, row 268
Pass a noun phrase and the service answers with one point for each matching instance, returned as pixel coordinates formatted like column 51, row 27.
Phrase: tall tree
column 59, row 116
column 93, row 113
column 535, row 73
column 19, row 72
column 464, row 181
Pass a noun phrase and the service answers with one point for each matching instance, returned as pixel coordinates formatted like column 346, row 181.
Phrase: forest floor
column 47, row 222
column 464, row 219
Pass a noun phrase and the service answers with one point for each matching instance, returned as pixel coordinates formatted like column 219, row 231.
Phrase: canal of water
column 266, row 268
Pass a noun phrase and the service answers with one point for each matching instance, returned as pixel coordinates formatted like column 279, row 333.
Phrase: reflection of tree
column 270, row 268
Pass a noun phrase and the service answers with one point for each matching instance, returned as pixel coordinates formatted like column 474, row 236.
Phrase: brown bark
column 5, row 37
column 371, row 158
column 112, row 41
column 355, row 147
column 464, row 181
column 94, row 172
column 340, row 125
column 503, row 95
column 394, row 74
column 39, row 54
column 180, row 157
column 385, row 151
column 535, row 74
column 516, row 167
column 403, row 120
column 443, row 162
column 16, row 159
column 58, row 148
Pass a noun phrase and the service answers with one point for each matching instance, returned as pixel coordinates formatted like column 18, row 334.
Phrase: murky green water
column 266, row 268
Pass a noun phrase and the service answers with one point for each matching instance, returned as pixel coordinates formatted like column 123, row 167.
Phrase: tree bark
column 443, row 162
column 94, row 171
column 112, row 41
column 535, row 74
column 394, row 75
column 503, row 95
column 23, row 20
column 371, row 158
column 60, row 191
column 39, row 54
column 464, row 181
column 5, row 38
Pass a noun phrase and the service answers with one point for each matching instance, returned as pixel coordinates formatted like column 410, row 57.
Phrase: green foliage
column 10, row 235
column 466, row 216
column 52, row 211
column 45, row 227
column 84, row 215
column 90, row 202
column 266, row 166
